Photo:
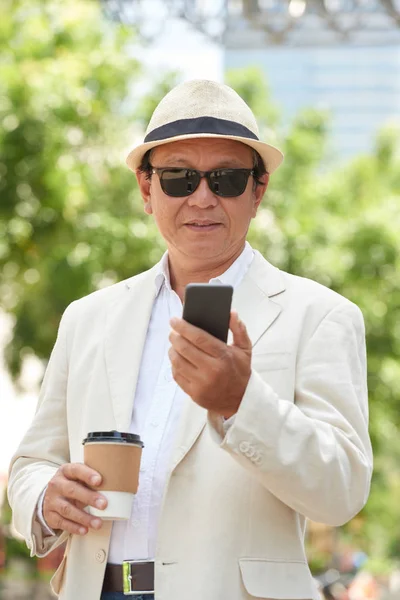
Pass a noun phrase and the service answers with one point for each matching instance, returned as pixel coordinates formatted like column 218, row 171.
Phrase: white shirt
column 155, row 416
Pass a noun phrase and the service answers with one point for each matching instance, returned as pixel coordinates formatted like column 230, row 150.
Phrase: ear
column 259, row 192
column 144, row 187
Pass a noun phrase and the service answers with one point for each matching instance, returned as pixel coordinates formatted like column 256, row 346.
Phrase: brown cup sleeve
column 118, row 464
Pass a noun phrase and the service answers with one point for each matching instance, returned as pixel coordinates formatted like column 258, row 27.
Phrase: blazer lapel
column 253, row 297
column 127, row 322
column 252, row 300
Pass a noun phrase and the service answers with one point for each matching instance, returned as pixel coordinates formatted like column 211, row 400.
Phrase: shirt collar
column 232, row 276
column 162, row 274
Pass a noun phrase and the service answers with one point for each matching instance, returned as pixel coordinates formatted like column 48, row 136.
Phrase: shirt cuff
column 39, row 513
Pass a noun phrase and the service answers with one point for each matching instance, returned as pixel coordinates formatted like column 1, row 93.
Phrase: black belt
column 131, row 578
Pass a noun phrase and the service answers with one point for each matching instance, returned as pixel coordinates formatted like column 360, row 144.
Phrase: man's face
column 202, row 226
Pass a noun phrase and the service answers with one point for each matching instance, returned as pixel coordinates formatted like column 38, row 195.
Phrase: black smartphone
column 208, row 306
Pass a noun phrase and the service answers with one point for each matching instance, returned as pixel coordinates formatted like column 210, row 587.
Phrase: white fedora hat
column 203, row 109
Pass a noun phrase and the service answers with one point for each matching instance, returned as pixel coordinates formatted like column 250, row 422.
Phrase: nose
column 203, row 196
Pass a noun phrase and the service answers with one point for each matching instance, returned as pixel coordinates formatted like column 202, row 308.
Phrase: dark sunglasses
column 227, row 183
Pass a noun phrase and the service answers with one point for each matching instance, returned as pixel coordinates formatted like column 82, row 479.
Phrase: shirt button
column 168, row 376
column 100, row 556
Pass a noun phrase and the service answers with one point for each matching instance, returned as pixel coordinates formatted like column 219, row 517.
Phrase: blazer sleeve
column 314, row 454
column 43, row 449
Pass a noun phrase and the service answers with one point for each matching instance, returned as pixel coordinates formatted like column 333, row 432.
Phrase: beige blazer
column 235, row 506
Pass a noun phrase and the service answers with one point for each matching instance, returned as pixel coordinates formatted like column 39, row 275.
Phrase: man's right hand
column 67, row 494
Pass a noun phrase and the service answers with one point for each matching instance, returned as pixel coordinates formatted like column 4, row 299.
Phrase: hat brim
column 271, row 156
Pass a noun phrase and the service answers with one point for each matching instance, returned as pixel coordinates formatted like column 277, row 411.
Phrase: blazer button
column 100, row 556
column 250, row 452
column 244, row 447
column 258, row 460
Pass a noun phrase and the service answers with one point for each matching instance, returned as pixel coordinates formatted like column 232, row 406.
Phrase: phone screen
column 208, row 306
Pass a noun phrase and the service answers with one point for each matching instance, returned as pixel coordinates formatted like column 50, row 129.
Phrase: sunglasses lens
column 228, row 182
column 179, row 182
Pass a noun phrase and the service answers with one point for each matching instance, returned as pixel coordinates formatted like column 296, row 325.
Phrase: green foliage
column 71, row 218
column 340, row 227
column 14, row 548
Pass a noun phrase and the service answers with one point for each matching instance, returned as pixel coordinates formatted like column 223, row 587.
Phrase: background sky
column 200, row 58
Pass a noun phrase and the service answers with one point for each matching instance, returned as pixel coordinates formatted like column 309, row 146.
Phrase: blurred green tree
column 339, row 226
column 71, row 218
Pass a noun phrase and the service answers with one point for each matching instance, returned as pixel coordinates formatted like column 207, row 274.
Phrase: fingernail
column 173, row 321
column 82, row 531
column 100, row 503
column 95, row 480
column 96, row 523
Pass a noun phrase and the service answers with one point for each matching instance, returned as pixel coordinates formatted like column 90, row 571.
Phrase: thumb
column 239, row 331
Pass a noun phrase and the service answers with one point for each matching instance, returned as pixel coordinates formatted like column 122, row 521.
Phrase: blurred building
column 339, row 55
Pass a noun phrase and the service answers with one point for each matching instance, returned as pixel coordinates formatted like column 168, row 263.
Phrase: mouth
column 202, row 225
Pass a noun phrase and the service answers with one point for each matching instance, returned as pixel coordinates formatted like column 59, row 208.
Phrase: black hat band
column 199, row 125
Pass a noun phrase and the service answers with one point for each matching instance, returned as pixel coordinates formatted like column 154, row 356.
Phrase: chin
column 202, row 252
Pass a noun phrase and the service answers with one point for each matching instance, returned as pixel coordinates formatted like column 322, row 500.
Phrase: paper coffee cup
column 116, row 456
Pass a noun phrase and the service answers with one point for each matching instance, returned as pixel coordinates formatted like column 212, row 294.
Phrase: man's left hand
column 212, row 373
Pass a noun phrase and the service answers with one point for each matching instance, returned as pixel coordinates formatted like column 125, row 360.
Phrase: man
column 243, row 442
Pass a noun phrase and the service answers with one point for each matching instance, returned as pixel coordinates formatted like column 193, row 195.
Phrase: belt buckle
column 127, row 579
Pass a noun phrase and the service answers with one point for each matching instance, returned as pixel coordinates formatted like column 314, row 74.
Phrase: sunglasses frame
column 207, row 174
